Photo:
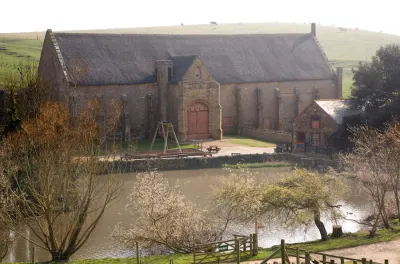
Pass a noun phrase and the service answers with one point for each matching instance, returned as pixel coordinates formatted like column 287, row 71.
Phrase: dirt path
column 377, row 252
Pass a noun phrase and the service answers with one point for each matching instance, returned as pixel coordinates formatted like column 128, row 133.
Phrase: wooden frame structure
column 164, row 129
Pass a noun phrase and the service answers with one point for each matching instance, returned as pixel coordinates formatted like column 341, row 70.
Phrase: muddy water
column 196, row 185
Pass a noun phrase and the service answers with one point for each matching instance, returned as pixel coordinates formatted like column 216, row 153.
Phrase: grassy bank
column 250, row 142
column 258, row 165
column 348, row 240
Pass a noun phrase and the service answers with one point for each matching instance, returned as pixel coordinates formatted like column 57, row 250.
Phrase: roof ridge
column 145, row 34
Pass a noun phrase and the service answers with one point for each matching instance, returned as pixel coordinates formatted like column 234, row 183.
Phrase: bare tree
column 375, row 162
column 53, row 166
column 164, row 217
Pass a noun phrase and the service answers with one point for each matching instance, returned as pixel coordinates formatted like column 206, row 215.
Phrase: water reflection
column 196, row 185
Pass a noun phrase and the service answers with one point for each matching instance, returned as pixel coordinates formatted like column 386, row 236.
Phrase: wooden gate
column 197, row 118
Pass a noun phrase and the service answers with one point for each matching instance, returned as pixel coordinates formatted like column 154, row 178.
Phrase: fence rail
column 313, row 257
column 224, row 251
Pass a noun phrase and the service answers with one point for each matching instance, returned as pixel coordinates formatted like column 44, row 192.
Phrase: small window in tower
column 197, row 73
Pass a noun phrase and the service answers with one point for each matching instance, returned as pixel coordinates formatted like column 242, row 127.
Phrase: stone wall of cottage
column 303, row 124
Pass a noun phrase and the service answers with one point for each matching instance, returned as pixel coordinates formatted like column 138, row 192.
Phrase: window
column 267, row 123
column 315, row 123
column 197, row 73
column 301, row 137
column 227, row 121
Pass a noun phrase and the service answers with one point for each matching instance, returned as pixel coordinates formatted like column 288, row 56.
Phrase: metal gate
column 197, row 115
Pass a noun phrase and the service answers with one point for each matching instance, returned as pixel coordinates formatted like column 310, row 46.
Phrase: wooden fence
column 312, row 257
column 225, row 251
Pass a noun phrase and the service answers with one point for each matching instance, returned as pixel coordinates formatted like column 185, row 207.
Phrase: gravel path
column 377, row 252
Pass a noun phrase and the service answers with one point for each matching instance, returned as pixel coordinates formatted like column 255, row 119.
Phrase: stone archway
column 198, row 121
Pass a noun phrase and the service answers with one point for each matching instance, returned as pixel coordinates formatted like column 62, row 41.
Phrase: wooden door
column 197, row 120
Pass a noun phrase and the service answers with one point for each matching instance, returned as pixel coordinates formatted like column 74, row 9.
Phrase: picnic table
column 214, row 148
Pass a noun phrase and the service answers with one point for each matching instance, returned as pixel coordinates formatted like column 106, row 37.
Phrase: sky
column 39, row 15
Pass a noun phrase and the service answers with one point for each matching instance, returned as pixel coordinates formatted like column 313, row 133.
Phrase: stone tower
column 164, row 74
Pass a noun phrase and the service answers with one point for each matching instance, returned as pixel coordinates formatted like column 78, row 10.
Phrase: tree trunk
column 396, row 196
column 320, row 225
column 56, row 257
column 337, row 231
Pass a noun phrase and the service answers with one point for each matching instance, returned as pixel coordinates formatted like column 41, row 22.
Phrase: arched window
column 197, row 73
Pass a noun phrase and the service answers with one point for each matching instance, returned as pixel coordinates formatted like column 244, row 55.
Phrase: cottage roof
column 337, row 109
column 180, row 65
column 129, row 58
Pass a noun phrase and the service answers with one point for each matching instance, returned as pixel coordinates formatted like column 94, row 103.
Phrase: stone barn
column 205, row 85
column 315, row 124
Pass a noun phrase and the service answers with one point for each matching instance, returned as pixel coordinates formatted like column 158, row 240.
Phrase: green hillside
column 343, row 48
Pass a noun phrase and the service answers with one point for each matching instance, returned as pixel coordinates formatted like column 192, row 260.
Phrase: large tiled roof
column 129, row 59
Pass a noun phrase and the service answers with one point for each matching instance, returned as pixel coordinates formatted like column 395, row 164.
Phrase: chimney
column 339, row 81
column 314, row 30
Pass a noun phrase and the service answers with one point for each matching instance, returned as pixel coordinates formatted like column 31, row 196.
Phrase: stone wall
column 267, row 135
column 52, row 68
column 256, row 104
column 302, row 124
column 135, row 99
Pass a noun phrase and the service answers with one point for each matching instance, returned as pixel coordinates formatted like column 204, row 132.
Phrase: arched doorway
column 197, row 120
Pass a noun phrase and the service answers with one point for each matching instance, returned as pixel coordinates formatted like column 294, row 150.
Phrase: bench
column 213, row 148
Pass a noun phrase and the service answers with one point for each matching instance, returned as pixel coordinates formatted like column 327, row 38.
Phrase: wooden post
column 297, row 256
column 332, row 261
column 154, row 137
column 324, row 259
column 283, row 252
column 364, row 261
column 370, row 261
column 341, row 260
column 137, row 253
column 386, row 261
column 194, row 255
column 251, row 245
column 165, row 140
column 354, row 261
column 176, row 139
column 237, row 247
column 218, row 260
column 308, row 259
column 255, row 244
column 33, row 255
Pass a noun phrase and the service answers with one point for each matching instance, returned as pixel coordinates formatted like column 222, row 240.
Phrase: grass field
column 343, row 48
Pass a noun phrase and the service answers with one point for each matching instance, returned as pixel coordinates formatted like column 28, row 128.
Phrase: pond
column 196, row 186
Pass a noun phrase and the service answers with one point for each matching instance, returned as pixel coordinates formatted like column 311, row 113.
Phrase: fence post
column 237, row 247
column 364, row 261
column 297, row 256
column 33, row 255
column 137, row 253
column 354, row 261
column 194, row 255
column 324, row 259
column 386, row 261
column 308, row 260
column 251, row 245
column 332, row 261
column 370, row 261
column 255, row 244
column 283, row 259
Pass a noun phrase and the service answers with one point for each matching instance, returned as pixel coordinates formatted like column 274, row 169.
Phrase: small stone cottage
column 316, row 123
column 205, row 85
